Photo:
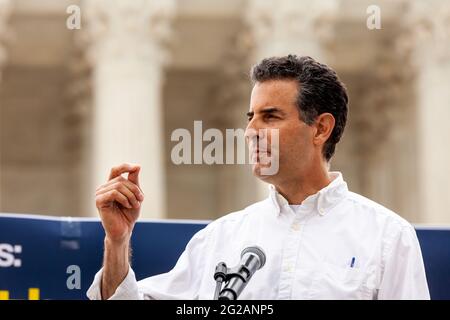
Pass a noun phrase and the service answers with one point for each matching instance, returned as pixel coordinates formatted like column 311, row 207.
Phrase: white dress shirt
column 335, row 245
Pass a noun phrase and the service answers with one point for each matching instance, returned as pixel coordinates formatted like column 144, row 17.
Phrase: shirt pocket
column 333, row 282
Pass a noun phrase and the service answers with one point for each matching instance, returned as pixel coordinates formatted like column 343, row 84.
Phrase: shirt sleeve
column 185, row 279
column 127, row 290
column 404, row 272
column 182, row 282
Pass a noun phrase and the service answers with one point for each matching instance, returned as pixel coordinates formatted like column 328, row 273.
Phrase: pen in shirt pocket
column 352, row 263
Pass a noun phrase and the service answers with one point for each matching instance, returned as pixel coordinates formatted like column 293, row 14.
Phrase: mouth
column 257, row 154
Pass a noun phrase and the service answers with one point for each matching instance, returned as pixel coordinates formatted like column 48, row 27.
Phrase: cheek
column 295, row 143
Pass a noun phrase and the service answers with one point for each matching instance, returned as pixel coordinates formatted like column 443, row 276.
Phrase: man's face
column 273, row 106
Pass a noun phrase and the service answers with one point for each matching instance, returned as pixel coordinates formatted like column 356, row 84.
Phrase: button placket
column 289, row 260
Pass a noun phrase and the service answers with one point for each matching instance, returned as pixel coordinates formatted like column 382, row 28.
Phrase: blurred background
column 78, row 97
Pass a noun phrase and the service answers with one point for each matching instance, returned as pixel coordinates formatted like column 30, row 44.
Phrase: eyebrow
column 268, row 110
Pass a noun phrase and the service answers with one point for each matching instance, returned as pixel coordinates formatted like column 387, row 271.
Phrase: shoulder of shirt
column 373, row 208
column 237, row 216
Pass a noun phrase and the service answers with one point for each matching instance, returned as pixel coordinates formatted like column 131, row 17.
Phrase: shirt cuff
column 127, row 290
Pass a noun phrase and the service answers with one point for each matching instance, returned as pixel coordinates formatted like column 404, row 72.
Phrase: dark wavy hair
column 319, row 91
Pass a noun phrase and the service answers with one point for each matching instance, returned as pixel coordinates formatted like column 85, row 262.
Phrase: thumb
column 133, row 176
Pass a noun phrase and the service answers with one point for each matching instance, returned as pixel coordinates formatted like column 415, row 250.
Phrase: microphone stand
column 223, row 274
column 220, row 275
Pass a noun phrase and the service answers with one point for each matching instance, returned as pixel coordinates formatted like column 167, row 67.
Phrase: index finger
column 124, row 167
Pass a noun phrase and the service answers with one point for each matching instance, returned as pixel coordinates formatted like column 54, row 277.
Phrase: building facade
column 74, row 102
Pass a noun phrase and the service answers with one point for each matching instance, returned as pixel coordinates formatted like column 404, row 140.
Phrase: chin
column 257, row 173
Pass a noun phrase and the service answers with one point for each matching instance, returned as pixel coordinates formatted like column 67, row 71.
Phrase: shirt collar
column 322, row 201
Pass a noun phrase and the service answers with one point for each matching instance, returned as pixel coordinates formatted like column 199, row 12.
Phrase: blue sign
column 57, row 258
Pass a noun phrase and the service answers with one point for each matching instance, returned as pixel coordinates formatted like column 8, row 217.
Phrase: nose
column 252, row 130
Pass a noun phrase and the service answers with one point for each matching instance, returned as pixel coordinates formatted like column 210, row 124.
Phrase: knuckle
column 116, row 185
column 115, row 193
column 134, row 188
column 122, row 188
column 98, row 200
column 122, row 166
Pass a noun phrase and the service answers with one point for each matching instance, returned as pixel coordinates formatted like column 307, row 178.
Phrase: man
column 321, row 240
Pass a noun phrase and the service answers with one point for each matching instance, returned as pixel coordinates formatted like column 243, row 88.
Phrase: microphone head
column 256, row 251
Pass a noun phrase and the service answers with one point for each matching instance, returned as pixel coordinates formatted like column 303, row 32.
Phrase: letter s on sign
column 6, row 255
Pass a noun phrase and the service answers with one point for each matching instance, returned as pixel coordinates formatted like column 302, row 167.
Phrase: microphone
column 252, row 259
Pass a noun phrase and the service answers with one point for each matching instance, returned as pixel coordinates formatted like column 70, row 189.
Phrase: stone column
column 236, row 184
column 78, row 118
column 381, row 129
column 289, row 27
column 283, row 27
column 428, row 37
column 126, row 51
column 5, row 11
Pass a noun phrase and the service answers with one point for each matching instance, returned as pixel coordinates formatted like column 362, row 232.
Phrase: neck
column 297, row 188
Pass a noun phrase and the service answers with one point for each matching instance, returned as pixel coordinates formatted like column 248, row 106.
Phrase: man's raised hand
column 119, row 202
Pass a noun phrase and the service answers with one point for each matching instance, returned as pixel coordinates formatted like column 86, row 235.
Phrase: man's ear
column 324, row 127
